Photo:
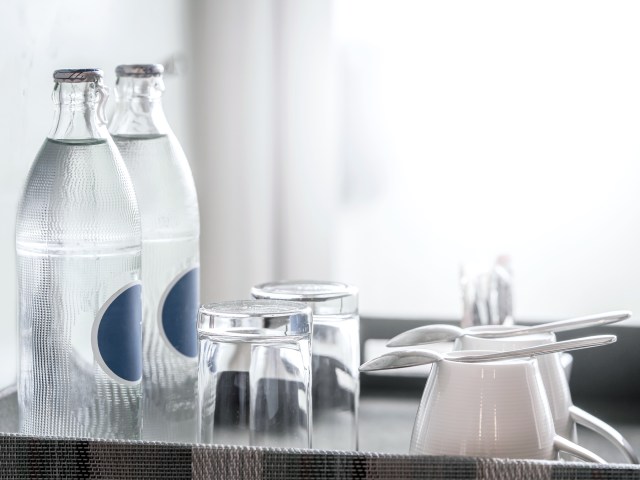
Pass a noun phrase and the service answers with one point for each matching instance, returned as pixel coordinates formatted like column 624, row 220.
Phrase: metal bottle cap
column 140, row 70
column 77, row 75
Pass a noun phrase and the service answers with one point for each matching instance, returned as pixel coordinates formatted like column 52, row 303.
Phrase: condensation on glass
column 336, row 356
column 254, row 373
column 78, row 274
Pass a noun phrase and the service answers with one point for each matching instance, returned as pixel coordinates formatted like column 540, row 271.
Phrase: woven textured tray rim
column 23, row 456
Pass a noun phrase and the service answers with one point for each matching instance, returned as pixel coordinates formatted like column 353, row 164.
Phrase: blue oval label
column 179, row 311
column 117, row 335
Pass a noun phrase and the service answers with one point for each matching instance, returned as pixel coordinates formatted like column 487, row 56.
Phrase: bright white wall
column 265, row 130
column 234, row 132
column 472, row 129
column 39, row 36
column 417, row 136
column 385, row 143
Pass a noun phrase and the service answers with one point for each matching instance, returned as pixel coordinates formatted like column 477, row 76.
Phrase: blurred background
column 382, row 143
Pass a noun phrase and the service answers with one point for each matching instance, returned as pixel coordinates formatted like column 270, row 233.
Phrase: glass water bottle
column 170, row 251
column 78, row 273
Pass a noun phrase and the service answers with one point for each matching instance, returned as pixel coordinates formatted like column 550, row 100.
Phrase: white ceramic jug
column 565, row 414
column 489, row 409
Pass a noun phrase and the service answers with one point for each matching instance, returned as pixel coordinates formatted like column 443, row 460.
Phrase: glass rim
column 255, row 318
column 253, row 308
column 293, row 290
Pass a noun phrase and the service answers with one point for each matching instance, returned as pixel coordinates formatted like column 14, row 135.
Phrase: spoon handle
column 400, row 359
column 574, row 344
column 562, row 325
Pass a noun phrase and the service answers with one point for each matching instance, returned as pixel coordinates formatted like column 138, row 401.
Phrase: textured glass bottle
column 78, row 268
column 170, row 253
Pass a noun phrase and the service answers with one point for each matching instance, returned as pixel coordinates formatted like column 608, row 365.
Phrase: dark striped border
column 24, row 457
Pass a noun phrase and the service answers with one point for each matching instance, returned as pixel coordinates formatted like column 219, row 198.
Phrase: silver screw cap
column 140, row 70
column 78, row 75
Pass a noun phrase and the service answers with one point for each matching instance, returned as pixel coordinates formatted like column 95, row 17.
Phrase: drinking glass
column 254, row 373
column 336, row 356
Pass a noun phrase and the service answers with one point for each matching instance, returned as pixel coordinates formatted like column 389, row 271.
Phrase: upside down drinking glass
column 254, row 375
column 335, row 353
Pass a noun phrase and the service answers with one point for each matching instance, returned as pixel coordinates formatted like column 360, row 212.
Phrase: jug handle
column 564, row 445
column 605, row 430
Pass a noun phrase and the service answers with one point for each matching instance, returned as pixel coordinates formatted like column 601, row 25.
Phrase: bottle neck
column 79, row 111
column 139, row 107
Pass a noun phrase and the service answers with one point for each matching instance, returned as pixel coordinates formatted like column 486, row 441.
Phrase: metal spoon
column 411, row 358
column 446, row 333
